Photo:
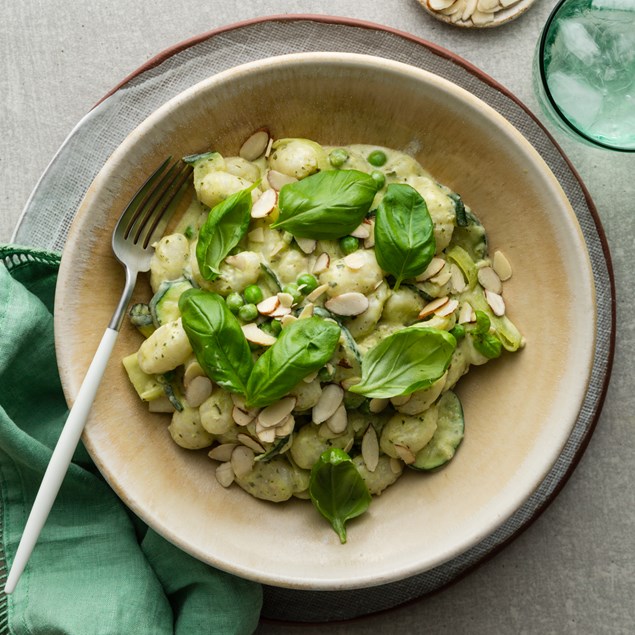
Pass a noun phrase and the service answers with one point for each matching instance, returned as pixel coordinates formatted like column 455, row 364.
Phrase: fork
column 142, row 223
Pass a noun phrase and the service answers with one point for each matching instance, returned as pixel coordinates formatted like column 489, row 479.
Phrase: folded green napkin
column 96, row 568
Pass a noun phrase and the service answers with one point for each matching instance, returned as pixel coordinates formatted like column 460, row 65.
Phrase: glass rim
column 552, row 102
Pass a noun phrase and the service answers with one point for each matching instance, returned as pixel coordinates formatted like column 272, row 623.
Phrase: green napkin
column 96, row 568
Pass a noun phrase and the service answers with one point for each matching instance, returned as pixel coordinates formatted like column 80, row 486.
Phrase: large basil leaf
column 337, row 490
column 302, row 348
column 223, row 229
column 404, row 233
column 217, row 339
column 328, row 204
column 408, row 360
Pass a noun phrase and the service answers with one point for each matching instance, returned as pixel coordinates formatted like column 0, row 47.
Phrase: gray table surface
column 573, row 570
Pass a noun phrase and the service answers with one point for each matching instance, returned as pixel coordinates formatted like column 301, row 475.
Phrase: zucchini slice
column 447, row 437
column 147, row 386
column 471, row 237
column 164, row 306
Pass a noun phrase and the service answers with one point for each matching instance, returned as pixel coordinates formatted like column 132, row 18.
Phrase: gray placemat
column 52, row 206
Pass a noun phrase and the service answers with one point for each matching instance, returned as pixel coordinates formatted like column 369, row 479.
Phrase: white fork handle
column 61, row 457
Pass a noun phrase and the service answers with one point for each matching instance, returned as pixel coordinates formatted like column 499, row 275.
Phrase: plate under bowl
column 519, row 410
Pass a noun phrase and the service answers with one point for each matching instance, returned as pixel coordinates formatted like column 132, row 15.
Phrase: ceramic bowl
column 519, row 409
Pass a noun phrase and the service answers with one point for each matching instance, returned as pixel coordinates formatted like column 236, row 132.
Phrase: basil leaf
column 223, row 229
column 301, row 348
column 328, row 204
column 486, row 343
column 337, row 490
column 404, row 233
column 217, row 339
column 408, row 360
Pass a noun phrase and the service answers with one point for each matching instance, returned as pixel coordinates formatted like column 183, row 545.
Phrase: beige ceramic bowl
column 519, row 410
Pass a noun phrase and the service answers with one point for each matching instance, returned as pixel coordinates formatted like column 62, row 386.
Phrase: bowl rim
column 337, row 58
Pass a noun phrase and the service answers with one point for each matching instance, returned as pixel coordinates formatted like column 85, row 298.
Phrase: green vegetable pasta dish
column 312, row 312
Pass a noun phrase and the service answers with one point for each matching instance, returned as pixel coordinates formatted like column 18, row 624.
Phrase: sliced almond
column 470, row 8
column 266, row 435
column 288, row 319
column 265, row 204
column 198, row 390
column 329, row 401
column 488, row 6
column 456, row 7
column 443, row 277
column 433, row 306
column 338, row 421
column 351, row 303
column 317, row 292
column 241, row 417
column 237, row 262
column 307, row 245
column 286, row 427
column 508, row 3
column 222, row 452
column 250, row 442
column 439, row 5
column 355, row 261
column 312, row 377
column 370, row 449
column 363, row 231
column 278, row 180
column 501, row 266
column 281, row 311
column 257, row 235
column 395, row 466
column 307, row 311
column 321, row 264
column 458, row 279
column 378, row 405
column 369, row 243
column 277, row 412
column 400, row 400
column 254, row 146
column 489, row 280
column 448, row 308
column 268, row 150
column 480, row 19
column 268, row 305
column 225, row 474
column 349, row 382
column 496, row 303
column 192, row 369
column 242, row 460
column 466, row 313
column 239, row 402
column 286, row 300
column 257, row 336
column 435, row 265
column 405, row 454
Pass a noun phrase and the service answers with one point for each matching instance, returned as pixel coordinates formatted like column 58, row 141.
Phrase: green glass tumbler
column 584, row 71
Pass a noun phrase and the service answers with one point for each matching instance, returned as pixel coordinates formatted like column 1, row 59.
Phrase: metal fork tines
column 142, row 223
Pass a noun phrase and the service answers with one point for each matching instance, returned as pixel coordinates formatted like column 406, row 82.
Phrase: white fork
column 142, row 223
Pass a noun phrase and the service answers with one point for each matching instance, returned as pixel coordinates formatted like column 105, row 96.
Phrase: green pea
column 253, row 294
column 293, row 290
column 308, row 282
column 276, row 327
column 377, row 158
column 338, row 157
column 248, row 312
column 379, row 177
column 349, row 244
column 234, row 302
